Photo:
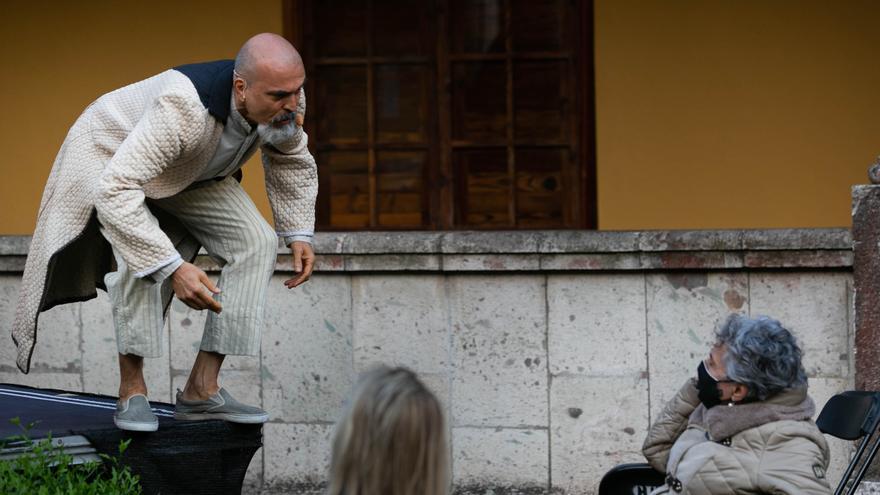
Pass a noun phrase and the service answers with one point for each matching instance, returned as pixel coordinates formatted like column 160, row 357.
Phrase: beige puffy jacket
column 770, row 447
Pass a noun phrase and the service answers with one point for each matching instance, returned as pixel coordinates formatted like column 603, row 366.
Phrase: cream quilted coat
column 769, row 447
column 151, row 139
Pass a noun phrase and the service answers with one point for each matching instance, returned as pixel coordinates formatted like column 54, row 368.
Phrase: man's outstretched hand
column 303, row 263
column 189, row 283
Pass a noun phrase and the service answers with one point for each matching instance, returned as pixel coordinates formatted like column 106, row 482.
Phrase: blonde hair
column 391, row 439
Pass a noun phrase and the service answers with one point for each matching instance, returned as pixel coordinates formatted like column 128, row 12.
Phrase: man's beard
column 277, row 135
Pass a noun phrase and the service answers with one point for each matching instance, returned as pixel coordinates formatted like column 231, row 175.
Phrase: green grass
column 46, row 470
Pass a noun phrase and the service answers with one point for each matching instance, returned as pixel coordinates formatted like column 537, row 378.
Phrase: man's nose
column 290, row 104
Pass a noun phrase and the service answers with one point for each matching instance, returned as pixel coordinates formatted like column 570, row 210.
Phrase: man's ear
column 239, row 85
column 740, row 392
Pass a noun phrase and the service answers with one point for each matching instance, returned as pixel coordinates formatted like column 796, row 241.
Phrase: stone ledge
column 571, row 250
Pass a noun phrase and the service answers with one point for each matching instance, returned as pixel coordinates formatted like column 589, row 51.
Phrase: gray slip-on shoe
column 134, row 414
column 219, row 406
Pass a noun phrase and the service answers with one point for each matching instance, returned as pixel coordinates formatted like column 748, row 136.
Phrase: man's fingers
column 209, row 302
column 203, row 278
column 297, row 258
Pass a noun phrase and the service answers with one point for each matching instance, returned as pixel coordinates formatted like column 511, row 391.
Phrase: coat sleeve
column 170, row 127
column 669, row 425
column 292, row 181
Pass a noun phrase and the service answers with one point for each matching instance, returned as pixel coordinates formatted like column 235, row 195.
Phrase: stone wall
column 551, row 351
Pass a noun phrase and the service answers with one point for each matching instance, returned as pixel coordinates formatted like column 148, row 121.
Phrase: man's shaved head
column 266, row 51
column 268, row 86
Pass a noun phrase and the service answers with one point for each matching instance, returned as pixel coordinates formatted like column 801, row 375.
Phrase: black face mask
column 707, row 387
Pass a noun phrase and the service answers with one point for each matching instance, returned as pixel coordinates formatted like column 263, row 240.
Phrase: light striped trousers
column 222, row 217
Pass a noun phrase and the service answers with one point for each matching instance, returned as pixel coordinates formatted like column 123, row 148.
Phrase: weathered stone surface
column 590, row 262
column 101, row 356
column 253, row 478
column 596, row 423
column 490, row 242
column 797, row 239
column 392, row 262
column 400, row 320
column 798, row 259
column 323, row 263
column 296, row 453
column 327, row 242
column 691, row 260
column 499, row 353
column 683, row 309
column 58, row 341
column 9, row 288
column 690, row 240
column 12, row 263
column 41, row 379
column 392, row 242
column 14, row 244
column 500, row 456
column 490, row 262
column 866, row 285
column 814, row 306
column 307, row 349
column 597, row 324
column 588, row 241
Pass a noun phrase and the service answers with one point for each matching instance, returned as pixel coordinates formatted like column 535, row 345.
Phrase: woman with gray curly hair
column 743, row 424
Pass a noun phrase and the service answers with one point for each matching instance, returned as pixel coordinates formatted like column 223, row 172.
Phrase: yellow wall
column 729, row 114
column 58, row 56
column 710, row 113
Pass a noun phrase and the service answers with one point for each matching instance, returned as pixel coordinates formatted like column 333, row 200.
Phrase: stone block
column 58, row 341
column 691, row 240
column 490, row 242
column 101, row 356
column 323, row 263
column 683, row 310
column 14, row 244
column 392, row 262
column 10, row 286
column 39, row 379
column 799, row 259
column 490, row 262
column 822, row 389
column 296, row 453
column 499, row 351
column 597, row 324
column 12, row 263
column 307, row 349
column 393, row 242
column 500, row 457
column 326, row 243
column 400, row 320
column 787, row 239
column 588, row 241
column 596, row 423
column 691, row 260
column 253, row 478
column 814, row 307
column 590, row 261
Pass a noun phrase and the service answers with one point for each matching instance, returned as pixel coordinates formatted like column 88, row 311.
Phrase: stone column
column 866, row 280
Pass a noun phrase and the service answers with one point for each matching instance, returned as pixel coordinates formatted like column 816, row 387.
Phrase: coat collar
column 723, row 422
column 213, row 82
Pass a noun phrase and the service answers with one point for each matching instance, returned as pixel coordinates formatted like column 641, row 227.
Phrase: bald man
column 146, row 176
